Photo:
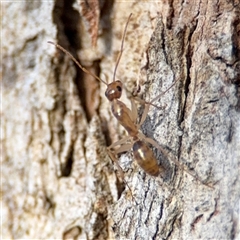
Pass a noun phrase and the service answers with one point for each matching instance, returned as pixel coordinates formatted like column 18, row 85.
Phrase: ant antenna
column 78, row 64
column 121, row 50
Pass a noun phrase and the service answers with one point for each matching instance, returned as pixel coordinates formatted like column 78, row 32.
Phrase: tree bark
column 57, row 179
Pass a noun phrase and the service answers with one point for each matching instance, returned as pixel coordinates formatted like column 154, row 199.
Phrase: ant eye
column 119, row 88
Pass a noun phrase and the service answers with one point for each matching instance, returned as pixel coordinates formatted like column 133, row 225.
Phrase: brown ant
column 128, row 119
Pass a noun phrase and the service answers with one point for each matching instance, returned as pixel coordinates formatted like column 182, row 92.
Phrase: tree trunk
column 57, row 179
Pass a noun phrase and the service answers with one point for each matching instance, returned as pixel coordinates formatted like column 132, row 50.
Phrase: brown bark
column 57, row 180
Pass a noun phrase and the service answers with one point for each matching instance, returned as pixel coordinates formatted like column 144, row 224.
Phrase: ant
column 138, row 142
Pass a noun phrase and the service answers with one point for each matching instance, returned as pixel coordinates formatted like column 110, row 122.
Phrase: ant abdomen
column 145, row 158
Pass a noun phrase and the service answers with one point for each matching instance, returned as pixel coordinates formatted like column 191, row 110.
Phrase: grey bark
column 57, row 179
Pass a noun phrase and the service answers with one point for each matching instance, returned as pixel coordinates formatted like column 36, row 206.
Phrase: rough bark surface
column 57, row 179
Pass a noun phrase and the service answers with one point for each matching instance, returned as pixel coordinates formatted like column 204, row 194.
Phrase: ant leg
column 164, row 152
column 112, row 154
column 115, row 160
column 148, row 104
column 146, row 107
column 161, row 94
column 123, row 148
column 119, row 142
column 134, row 113
column 144, row 115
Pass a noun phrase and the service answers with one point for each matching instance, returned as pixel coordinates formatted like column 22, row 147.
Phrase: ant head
column 114, row 90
